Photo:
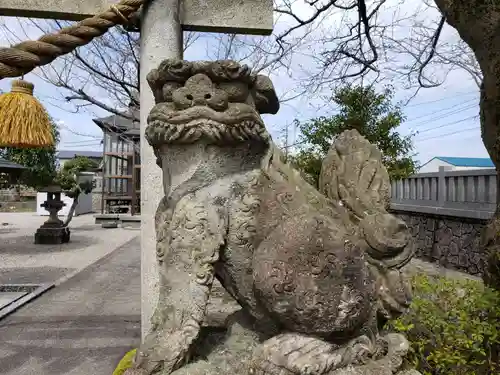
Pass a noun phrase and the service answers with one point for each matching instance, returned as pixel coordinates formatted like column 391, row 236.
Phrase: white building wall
column 84, row 200
column 433, row 166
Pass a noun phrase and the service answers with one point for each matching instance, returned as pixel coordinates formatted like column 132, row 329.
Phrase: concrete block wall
column 451, row 242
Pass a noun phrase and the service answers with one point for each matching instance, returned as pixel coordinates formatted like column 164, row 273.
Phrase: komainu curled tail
column 353, row 175
column 358, row 291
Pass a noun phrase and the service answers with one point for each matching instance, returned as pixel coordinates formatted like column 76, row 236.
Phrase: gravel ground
column 21, row 261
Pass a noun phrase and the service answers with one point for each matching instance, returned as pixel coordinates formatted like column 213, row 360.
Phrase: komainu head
column 217, row 102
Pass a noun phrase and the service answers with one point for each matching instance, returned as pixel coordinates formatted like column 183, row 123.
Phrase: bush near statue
column 453, row 326
column 317, row 273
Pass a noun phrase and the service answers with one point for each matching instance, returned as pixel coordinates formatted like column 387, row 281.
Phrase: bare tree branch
column 104, row 74
column 435, row 39
column 317, row 44
column 361, row 39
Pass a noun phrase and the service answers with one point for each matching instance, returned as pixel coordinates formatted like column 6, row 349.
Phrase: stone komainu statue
column 316, row 273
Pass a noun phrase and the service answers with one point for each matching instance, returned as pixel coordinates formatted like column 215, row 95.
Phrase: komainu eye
column 168, row 89
column 237, row 92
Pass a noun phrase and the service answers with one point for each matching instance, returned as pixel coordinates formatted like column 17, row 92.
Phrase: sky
column 445, row 118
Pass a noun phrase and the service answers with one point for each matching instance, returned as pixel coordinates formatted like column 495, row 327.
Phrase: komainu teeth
column 160, row 131
column 246, row 129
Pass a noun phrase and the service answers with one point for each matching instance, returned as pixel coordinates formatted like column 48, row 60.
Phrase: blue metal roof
column 467, row 162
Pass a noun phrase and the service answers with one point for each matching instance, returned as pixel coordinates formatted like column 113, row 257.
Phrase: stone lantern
column 53, row 230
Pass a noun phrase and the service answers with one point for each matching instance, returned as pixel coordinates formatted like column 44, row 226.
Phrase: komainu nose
column 200, row 91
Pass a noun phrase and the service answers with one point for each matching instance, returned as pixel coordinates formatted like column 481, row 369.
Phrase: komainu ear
column 174, row 71
column 264, row 95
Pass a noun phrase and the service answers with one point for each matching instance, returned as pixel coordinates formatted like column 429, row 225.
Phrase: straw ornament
column 24, row 122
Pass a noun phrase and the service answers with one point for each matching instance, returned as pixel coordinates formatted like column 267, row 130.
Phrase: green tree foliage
column 67, row 178
column 41, row 163
column 373, row 115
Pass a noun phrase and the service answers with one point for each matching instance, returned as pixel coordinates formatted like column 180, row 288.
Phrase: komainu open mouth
column 239, row 123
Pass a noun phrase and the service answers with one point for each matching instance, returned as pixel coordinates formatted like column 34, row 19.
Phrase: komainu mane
column 316, row 273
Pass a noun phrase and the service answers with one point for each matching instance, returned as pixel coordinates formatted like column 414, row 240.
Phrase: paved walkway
column 23, row 262
column 83, row 326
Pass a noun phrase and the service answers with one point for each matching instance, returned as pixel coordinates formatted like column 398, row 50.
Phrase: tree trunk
column 478, row 24
column 71, row 211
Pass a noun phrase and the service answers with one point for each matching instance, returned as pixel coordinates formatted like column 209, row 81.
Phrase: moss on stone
column 125, row 363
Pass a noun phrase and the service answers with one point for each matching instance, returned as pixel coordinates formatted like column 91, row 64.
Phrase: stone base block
column 110, row 225
column 52, row 236
column 231, row 350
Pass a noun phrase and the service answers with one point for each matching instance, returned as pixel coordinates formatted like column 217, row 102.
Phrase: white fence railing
column 465, row 193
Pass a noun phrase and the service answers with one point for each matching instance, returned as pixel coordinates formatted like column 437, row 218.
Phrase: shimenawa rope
column 22, row 58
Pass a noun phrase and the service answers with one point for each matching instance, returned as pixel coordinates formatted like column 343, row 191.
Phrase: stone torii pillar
column 161, row 37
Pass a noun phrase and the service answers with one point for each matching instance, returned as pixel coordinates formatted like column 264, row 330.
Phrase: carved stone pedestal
column 53, row 230
column 233, row 348
column 52, row 236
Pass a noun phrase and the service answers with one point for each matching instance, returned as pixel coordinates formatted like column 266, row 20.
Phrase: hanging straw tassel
column 24, row 122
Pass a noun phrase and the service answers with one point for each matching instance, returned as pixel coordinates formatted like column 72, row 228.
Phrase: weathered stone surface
column 96, row 201
column 451, row 242
column 51, row 189
column 316, row 274
column 230, row 351
column 52, row 236
column 229, row 16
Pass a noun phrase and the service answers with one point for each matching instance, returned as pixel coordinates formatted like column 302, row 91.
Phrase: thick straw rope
column 22, row 58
